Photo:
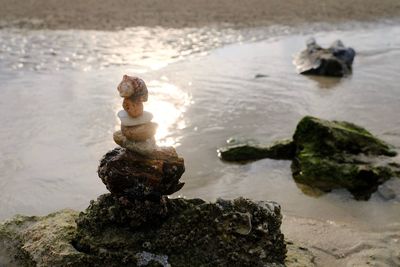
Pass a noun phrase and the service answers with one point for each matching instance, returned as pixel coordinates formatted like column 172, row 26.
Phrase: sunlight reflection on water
column 167, row 102
column 56, row 125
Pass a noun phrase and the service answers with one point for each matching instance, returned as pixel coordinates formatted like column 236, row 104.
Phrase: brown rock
column 133, row 108
column 139, row 133
column 147, row 147
column 134, row 88
column 134, row 176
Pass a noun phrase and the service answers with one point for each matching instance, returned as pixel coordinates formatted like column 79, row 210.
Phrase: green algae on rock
column 246, row 152
column 339, row 154
column 41, row 241
column 326, row 138
column 328, row 155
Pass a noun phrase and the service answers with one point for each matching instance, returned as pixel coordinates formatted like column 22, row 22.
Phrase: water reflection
column 56, row 125
column 326, row 82
column 167, row 102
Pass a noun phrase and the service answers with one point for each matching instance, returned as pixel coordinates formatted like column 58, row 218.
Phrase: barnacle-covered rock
column 183, row 232
column 135, row 176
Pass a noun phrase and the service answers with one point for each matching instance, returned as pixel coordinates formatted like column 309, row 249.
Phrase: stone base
column 179, row 232
column 183, row 232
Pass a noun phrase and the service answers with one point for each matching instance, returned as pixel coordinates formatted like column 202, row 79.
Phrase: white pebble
column 127, row 120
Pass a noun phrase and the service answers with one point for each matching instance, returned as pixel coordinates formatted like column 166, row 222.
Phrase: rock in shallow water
column 134, row 176
column 246, row 152
column 337, row 60
column 338, row 154
column 328, row 155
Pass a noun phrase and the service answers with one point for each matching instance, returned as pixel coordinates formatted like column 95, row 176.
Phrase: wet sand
column 334, row 239
column 117, row 14
column 339, row 244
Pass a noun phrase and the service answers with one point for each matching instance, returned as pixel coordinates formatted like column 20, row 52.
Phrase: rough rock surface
column 333, row 154
column 183, row 232
column 180, row 233
column 134, row 176
column 246, row 152
column 337, row 60
column 328, row 155
column 40, row 241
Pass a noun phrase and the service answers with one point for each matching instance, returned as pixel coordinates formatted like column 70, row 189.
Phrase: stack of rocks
column 137, row 225
column 140, row 170
column 137, row 131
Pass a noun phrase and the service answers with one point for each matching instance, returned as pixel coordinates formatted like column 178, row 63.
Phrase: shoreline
column 120, row 14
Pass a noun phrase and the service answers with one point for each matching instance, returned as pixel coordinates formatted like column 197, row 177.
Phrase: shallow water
column 58, row 104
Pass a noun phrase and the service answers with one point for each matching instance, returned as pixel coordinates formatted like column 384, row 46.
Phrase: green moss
column 246, row 152
column 329, row 137
column 332, row 154
column 327, row 155
column 41, row 241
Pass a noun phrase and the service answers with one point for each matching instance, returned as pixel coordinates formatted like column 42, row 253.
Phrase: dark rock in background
column 337, row 60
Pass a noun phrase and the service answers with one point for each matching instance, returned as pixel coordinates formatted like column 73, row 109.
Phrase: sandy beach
column 117, row 14
column 74, row 69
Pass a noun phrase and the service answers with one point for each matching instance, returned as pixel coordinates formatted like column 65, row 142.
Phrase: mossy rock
column 247, row 152
column 327, row 155
column 41, row 241
column 338, row 154
column 326, row 138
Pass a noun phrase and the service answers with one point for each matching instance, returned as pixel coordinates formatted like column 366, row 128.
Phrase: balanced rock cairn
column 139, row 169
column 137, row 225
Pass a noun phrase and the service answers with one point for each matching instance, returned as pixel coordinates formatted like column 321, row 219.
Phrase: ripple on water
column 62, row 121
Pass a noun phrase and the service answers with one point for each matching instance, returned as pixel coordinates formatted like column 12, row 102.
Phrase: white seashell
column 127, row 120
column 133, row 87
